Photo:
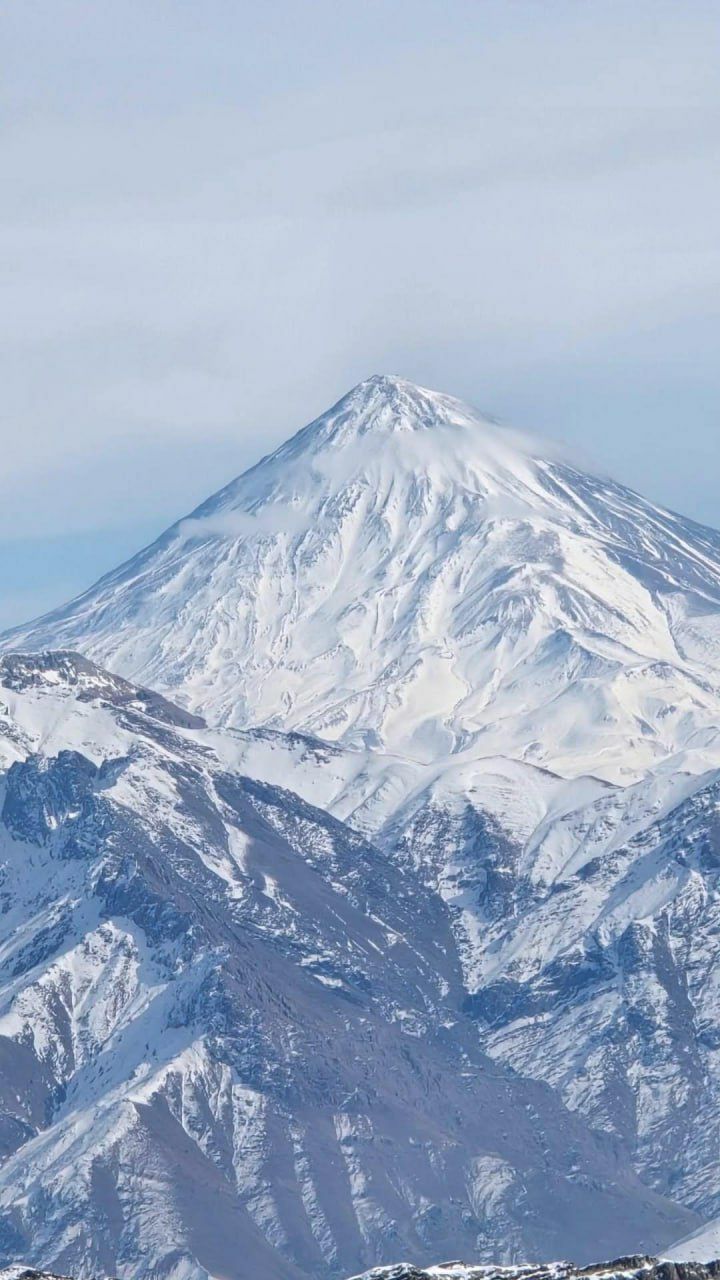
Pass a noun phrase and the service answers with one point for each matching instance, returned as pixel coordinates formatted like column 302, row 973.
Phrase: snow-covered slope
column 407, row 573
column 700, row 1246
column 231, row 1031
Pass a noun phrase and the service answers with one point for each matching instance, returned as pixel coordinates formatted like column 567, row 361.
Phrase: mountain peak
column 409, row 405
column 406, row 571
column 389, row 382
column 390, row 389
column 386, row 406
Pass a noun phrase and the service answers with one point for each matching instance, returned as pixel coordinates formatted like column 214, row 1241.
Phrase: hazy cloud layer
column 217, row 218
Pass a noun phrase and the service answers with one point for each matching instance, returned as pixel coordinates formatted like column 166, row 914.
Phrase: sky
column 218, row 217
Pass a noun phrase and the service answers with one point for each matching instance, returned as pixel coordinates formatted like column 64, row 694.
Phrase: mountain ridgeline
column 369, row 908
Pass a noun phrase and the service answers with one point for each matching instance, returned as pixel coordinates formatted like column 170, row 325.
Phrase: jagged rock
column 633, row 1267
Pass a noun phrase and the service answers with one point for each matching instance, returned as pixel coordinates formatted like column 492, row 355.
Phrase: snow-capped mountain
column 407, row 573
column 231, row 1031
column 499, row 675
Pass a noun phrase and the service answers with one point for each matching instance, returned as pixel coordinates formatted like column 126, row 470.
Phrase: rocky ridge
column 630, row 1268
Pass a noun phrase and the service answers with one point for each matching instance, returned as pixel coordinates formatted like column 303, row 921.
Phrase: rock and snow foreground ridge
column 628, row 1268
column 401, row 937
column 20, row 1271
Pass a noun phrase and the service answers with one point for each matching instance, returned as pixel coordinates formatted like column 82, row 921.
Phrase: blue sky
column 218, row 217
